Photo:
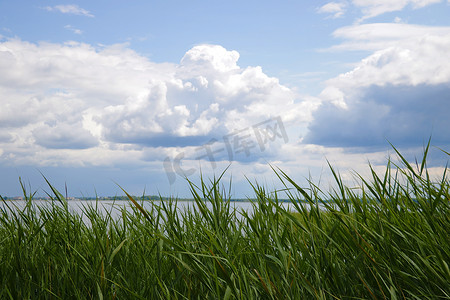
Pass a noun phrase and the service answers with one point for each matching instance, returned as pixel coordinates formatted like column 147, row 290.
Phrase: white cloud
column 400, row 92
column 335, row 8
column 73, row 29
column 373, row 8
column 378, row 36
column 63, row 102
column 70, row 9
column 404, row 54
column 215, row 56
column 208, row 94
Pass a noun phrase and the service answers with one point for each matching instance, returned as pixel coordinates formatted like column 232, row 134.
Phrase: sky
column 146, row 94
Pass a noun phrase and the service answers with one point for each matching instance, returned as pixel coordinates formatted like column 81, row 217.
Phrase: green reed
column 387, row 240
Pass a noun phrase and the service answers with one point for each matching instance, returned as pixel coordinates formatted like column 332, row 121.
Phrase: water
column 114, row 208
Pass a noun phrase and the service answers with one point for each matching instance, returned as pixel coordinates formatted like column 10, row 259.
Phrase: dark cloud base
column 161, row 140
column 406, row 116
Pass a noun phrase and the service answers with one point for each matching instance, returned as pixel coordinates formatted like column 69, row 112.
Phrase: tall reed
column 388, row 240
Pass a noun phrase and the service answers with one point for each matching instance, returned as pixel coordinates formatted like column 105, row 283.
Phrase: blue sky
column 140, row 92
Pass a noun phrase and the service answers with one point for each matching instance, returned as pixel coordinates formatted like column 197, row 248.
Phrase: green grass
column 387, row 240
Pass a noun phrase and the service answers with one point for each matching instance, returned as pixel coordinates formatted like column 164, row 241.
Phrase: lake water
column 115, row 207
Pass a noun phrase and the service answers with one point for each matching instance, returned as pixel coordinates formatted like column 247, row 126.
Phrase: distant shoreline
column 124, row 198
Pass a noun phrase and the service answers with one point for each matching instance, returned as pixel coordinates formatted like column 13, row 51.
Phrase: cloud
column 73, row 29
column 78, row 104
column 5, row 137
column 335, row 8
column 404, row 115
column 211, row 57
column 208, row 96
column 411, row 58
column 64, row 136
column 399, row 93
column 373, row 8
column 70, row 9
column 378, row 36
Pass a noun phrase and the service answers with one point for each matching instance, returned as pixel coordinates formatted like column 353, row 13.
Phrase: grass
column 388, row 240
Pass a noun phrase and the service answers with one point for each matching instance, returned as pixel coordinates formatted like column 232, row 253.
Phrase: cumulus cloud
column 399, row 93
column 208, row 95
column 63, row 102
column 410, row 59
column 70, row 9
column 337, row 9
